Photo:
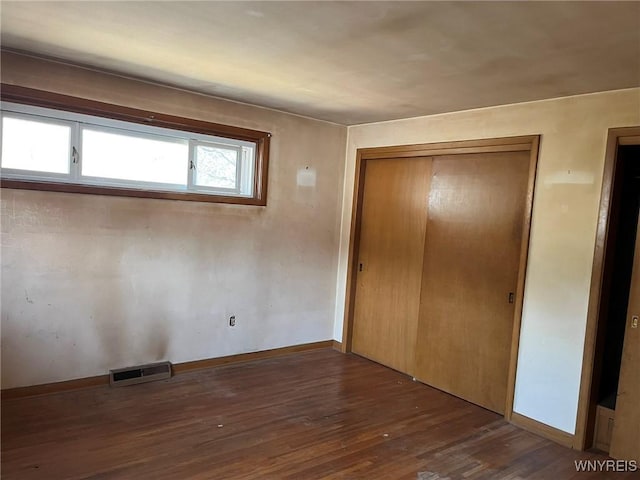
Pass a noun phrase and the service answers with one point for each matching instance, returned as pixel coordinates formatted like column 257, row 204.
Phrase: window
column 92, row 147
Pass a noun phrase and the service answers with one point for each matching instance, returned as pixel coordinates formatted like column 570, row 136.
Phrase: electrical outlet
column 232, row 321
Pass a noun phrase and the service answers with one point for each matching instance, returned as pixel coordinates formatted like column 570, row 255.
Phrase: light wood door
column 625, row 438
column 471, row 261
column 394, row 210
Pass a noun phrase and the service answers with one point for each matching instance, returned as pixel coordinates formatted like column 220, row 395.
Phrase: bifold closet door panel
column 390, row 254
column 471, row 261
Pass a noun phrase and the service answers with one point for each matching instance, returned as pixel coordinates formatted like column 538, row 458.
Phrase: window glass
column 121, row 156
column 36, row 146
column 216, row 166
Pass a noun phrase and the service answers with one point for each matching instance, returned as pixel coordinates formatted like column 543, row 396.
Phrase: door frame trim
column 492, row 145
column 585, row 418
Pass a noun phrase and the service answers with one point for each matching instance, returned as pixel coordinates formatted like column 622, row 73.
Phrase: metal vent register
column 139, row 374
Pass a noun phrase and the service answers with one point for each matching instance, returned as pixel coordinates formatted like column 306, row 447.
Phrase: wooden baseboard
column 551, row 433
column 246, row 357
column 178, row 368
column 337, row 346
column 57, row 387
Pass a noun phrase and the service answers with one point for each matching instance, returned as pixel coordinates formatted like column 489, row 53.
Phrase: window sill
column 127, row 192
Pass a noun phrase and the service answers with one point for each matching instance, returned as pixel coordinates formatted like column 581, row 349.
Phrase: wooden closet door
column 390, row 260
column 471, row 261
column 625, row 438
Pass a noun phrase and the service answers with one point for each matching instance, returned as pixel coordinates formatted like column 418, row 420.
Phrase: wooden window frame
column 45, row 99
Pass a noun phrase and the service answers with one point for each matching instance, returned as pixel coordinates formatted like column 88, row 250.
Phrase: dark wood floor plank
column 311, row 415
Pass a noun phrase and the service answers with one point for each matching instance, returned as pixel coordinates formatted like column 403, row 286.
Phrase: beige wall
column 91, row 282
column 567, row 195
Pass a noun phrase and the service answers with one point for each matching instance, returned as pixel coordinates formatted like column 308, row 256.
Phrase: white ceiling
column 346, row 62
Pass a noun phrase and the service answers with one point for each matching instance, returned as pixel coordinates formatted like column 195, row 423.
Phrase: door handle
column 634, row 321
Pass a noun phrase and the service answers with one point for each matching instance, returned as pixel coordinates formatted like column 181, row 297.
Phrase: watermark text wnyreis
column 606, row 465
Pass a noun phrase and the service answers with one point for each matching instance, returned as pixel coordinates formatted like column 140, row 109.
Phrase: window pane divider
column 75, row 153
column 191, row 166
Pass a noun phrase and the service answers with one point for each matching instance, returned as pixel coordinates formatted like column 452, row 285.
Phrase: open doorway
column 618, row 265
column 610, row 292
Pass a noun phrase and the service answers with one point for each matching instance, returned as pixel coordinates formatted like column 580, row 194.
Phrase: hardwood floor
column 317, row 414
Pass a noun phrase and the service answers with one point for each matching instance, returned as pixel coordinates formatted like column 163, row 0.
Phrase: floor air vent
column 140, row 374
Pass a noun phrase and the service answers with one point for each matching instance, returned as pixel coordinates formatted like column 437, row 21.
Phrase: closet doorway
column 437, row 261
